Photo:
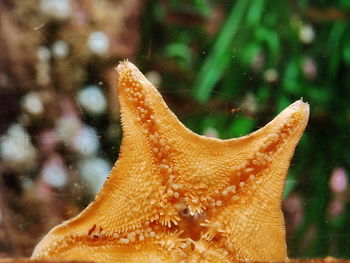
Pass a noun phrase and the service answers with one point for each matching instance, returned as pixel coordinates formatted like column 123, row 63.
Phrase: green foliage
column 218, row 59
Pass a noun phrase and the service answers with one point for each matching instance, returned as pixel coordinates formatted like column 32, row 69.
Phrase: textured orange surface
column 174, row 195
column 314, row 260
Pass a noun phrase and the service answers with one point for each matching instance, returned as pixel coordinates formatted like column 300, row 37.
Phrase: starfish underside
column 177, row 196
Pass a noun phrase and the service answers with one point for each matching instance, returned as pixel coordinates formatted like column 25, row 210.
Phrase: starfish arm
column 123, row 214
column 133, row 209
column 250, row 223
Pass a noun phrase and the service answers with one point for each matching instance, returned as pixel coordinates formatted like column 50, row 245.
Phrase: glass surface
column 225, row 68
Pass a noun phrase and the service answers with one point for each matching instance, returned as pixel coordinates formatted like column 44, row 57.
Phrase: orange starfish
column 174, row 195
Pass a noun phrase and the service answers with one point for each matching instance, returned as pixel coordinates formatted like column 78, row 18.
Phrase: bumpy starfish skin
column 174, row 195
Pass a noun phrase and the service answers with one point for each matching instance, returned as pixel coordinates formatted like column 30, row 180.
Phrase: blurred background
column 224, row 67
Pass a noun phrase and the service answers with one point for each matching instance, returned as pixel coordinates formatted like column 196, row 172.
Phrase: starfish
column 174, row 195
